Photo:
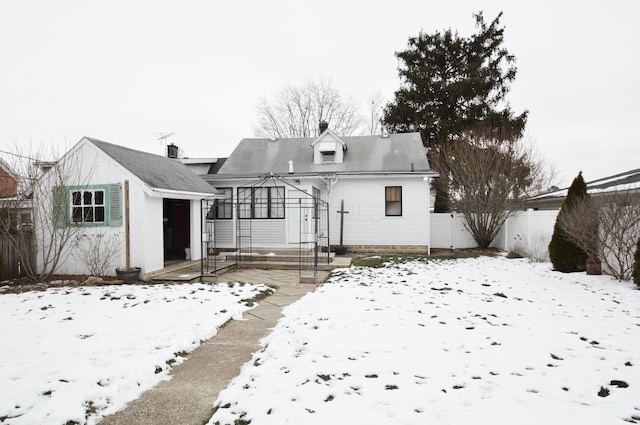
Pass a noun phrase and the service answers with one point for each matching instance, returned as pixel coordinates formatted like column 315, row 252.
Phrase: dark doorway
column 177, row 225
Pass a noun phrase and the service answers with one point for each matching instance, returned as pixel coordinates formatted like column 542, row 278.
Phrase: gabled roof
column 364, row 154
column 158, row 172
column 333, row 138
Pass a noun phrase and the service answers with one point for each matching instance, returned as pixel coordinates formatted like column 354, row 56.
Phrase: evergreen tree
column 564, row 254
column 451, row 84
column 636, row 265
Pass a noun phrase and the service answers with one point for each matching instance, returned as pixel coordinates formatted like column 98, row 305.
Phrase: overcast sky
column 128, row 72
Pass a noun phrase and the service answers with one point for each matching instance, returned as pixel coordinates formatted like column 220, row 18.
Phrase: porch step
column 288, row 261
column 273, row 265
column 275, row 257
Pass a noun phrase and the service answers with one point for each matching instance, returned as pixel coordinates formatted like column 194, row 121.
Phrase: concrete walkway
column 187, row 399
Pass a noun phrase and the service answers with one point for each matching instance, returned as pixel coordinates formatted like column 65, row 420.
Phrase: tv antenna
column 164, row 136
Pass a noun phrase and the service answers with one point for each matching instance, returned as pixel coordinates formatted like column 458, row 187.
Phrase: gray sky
column 127, row 72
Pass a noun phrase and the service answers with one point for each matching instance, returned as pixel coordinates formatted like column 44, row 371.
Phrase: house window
column 87, row 206
column 223, row 208
column 393, row 200
column 95, row 205
column 261, row 202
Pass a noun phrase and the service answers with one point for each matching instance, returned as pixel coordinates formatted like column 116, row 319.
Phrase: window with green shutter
column 91, row 205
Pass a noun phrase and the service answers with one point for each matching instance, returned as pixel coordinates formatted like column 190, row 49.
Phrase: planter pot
column 594, row 266
column 128, row 275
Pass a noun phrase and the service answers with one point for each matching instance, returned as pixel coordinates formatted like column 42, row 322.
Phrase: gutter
column 178, row 194
column 427, row 173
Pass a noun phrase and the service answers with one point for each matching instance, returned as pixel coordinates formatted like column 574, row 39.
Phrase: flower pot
column 128, row 275
column 594, row 265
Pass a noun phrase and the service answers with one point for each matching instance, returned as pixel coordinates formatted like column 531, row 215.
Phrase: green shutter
column 59, row 206
column 115, row 205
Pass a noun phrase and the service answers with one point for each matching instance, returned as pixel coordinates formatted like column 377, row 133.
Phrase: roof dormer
column 328, row 148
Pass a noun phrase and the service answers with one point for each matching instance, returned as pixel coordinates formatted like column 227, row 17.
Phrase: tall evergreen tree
column 565, row 255
column 451, row 84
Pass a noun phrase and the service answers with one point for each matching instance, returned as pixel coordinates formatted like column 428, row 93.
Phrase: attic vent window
column 328, row 151
column 328, row 156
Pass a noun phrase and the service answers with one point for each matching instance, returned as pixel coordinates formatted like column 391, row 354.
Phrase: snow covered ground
column 472, row 341
column 76, row 354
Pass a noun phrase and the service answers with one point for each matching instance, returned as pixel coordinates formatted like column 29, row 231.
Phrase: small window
column 328, row 156
column 223, row 209
column 87, row 206
column 393, row 200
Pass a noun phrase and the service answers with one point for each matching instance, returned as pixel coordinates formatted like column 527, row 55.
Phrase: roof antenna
column 163, row 138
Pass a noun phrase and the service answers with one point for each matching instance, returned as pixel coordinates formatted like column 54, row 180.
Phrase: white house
column 280, row 193
column 148, row 203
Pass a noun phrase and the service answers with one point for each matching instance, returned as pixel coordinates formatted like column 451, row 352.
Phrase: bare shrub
column 97, row 251
column 534, row 248
column 606, row 227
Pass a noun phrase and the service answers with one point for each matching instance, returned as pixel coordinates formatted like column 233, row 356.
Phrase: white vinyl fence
column 527, row 231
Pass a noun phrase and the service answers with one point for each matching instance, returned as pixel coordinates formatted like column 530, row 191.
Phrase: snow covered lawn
column 76, row 354
column 472, row 341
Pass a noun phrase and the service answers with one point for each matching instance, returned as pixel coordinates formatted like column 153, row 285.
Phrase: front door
column 299, row 217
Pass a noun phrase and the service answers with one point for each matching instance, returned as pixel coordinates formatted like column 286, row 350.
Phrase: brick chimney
column 172, row 151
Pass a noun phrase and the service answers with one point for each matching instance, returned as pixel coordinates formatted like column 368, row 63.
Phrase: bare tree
column 32, row 220
column 297, row 110
column 375, row 108
column 487, row 177
column 607, row 228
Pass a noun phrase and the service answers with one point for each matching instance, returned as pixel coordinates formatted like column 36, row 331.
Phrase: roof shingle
column 158, row 172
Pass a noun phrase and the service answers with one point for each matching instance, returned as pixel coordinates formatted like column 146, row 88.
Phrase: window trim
column 389, row 203
column 223, row 204
column 70, row 190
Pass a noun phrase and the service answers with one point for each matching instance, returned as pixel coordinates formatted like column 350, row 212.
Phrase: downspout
column 330, row 182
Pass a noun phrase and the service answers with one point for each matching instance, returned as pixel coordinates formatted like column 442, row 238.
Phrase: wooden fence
column 11, row 259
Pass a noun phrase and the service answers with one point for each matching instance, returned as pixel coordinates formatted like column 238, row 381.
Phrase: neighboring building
column 627, row 181
column 275, row 188
column 163, row 198
column 8, row 181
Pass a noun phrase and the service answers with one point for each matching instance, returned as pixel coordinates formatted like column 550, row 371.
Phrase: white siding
column 268, row 233
column 195, row 238
column 366, row 223
column 147, row 233
column 88, row 166
column 91, row 166
column 224, row 234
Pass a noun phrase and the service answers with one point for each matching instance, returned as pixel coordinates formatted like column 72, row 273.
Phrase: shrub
column 636, row 265
column 565, row 255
